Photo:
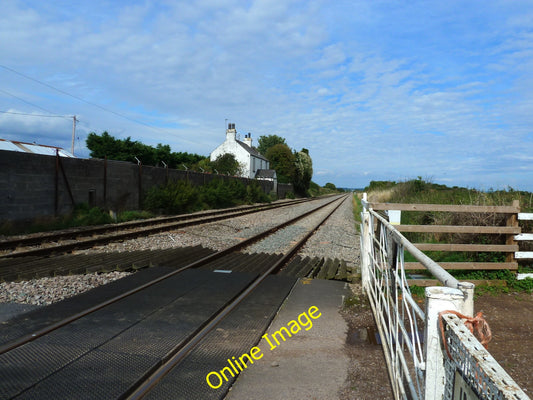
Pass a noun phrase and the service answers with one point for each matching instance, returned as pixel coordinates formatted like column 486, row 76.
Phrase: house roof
column 265, row 173
column 13, row 145
column 251, row 150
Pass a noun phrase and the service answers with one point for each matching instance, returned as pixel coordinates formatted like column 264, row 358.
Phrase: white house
column 249, row 158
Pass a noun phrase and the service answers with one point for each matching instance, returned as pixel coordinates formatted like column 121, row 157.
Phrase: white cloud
column 372, row 89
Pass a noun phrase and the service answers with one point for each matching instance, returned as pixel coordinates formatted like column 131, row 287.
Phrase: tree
column 227, row 164
column 282, row 160
column 266, row 142
column 303, row 172
column 106, row 145
column 330, row 185
column 204, row 165
column 103, row 145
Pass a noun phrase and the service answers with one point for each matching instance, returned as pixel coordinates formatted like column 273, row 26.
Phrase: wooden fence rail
column 512, row 231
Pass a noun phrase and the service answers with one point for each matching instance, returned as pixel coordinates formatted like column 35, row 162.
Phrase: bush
column 180, row 196
column 255, row 194
column 173, row 198
column 220, row 193
column 83, row 215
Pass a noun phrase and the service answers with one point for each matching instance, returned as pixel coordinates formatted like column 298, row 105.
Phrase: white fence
column 418, row 365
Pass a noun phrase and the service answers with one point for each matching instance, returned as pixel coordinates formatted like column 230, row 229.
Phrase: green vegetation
column 226, row 164
column 105, row 145
column 174, row 198
column 423, row 192
column 82, row 215
column 419, row 191
column 357, row 209
column 283, row 161
column 180, row 197
column 266, row 142
column 291, row 166
column 315, row 190
column 303, row 171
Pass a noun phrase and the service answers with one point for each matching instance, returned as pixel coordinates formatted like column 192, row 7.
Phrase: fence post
column 467, row 305
column 366, row 243
column 438, row 299
column 512, row 220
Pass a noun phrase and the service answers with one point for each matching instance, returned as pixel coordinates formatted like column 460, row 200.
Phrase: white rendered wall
column 241, row 155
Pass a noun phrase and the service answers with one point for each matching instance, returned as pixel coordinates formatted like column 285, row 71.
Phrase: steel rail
column 176, row 355
column 202, row 261
column 71, row 233
column 154, row 225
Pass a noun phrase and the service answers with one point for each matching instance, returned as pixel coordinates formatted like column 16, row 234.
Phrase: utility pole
column 73, row 133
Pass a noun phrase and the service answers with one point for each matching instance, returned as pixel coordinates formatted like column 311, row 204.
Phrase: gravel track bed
column 217, row 235
column 44, row 291
column 336, row 240
column 285, row 238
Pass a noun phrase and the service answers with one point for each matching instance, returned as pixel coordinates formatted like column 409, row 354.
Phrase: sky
column 375, row 90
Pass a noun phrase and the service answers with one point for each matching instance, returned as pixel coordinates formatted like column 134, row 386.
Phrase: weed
column 126, row 216
column 352, row 301
column 418, row 291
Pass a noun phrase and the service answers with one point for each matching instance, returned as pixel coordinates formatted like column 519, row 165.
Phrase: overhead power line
column 76, row 97
column 25, row 101
column 36, row 115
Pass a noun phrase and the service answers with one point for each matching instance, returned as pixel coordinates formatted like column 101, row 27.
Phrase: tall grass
column 418, row 191
column 423, row 192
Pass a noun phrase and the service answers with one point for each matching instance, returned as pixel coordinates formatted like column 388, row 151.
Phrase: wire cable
column 36, row 115
column 27, row 102
column 77, row 97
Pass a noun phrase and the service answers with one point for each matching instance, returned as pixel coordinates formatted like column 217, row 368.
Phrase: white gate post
column 366, row 243
column 437, row 299
column 467, row 307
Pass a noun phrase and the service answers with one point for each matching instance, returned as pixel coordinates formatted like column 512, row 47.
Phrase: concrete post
column 437, row 299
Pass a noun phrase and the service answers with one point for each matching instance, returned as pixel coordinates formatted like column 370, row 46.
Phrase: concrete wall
column 33, row 185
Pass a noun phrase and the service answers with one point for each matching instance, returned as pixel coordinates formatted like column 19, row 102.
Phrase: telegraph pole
column 73, row 133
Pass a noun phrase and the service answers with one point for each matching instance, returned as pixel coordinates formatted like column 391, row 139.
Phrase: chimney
column 248, row 139
column 231, row 132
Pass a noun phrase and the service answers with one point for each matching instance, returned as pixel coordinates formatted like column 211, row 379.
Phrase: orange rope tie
column 477, row 326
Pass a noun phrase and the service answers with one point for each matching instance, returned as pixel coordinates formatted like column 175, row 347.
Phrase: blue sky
column 376, row 90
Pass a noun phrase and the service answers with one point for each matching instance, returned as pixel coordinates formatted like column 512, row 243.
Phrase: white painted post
column 366, row 243
column 395, row 217
column 467, row 306
column 437, row 299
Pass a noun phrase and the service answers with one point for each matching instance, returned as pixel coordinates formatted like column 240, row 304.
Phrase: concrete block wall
column 28, row 184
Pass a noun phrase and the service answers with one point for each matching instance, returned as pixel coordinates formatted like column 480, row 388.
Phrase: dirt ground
column 510, row 317
column 368, row 378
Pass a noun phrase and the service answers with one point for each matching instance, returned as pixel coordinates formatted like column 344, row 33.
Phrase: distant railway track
column 58, row 242
column 46, row 377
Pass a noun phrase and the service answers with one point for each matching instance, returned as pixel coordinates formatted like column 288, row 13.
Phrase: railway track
column 53, row 261
column 152, row 335
column 44, row 244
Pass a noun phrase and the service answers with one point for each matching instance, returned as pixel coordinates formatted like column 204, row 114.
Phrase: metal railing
column 410, row 336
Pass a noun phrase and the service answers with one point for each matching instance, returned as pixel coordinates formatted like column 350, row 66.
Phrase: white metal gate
column 418, row 366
